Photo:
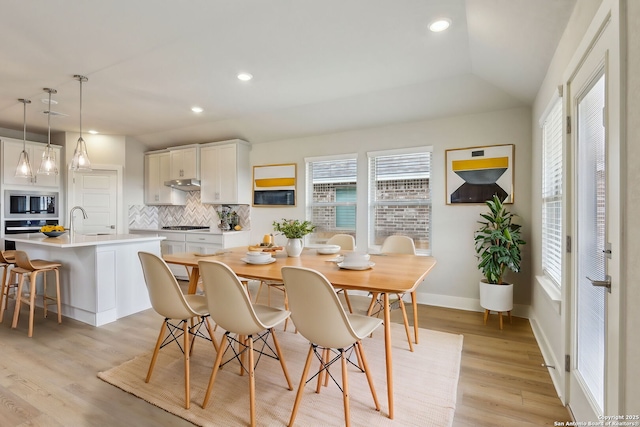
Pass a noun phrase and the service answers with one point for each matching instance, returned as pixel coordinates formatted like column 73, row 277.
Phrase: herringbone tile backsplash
column 193, row 213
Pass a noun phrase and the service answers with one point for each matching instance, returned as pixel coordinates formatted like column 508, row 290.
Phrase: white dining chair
column 347, row 243
column 169, row 302
column 321, row 319
column 397, row 244
column 232, row 310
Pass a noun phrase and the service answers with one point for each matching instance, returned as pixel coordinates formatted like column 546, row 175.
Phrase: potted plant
column 498, row 247
column 294, row 230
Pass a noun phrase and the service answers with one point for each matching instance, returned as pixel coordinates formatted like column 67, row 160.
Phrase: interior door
column 96, row 193
column 595, row 201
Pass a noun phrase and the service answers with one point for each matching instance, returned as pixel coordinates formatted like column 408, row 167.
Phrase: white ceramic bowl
column 329, row 249
column 356, row 258
column 258, row 256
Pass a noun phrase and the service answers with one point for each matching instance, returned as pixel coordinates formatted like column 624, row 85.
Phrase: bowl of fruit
column 52, row 230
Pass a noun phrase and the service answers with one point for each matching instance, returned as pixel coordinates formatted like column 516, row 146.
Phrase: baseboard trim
column 557, row 375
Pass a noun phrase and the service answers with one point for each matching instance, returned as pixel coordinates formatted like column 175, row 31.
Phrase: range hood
column 189, row 184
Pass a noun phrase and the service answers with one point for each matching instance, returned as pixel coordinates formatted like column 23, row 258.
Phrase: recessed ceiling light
column 93, row 132
column 440, row 25
column 245, row 77
column 197, row 109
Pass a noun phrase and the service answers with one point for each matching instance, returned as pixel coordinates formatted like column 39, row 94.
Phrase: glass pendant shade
column 24, row 166
column 80, row 160
column 48, row 164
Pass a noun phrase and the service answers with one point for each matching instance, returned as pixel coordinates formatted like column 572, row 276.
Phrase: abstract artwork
column 274, row 185
column 475, row 174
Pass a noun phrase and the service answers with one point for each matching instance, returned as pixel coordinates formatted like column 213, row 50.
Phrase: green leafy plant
column 498, row 242
column 293, row 229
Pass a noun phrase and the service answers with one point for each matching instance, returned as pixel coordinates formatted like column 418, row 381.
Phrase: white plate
column 269, row 261
column 356, row 267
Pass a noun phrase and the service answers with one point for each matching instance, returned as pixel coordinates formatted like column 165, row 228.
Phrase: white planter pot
column 496, row 297
column 294, row 247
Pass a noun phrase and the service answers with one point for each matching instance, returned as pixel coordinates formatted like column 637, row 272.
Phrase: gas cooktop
column 186, row 227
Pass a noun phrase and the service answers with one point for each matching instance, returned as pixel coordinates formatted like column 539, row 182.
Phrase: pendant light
column 80, row 160
column 24, row 167
column 48, row 164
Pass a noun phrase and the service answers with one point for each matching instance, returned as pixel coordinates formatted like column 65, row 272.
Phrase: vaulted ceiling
column 318, row 66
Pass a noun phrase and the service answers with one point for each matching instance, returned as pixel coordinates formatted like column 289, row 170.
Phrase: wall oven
column 30, row 204
column 21, row 226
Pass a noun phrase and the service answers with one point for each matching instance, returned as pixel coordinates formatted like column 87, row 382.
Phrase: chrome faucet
column 73, row 209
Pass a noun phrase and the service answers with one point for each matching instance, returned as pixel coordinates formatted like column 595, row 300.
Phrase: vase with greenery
column 294, row 230
column 498, row 245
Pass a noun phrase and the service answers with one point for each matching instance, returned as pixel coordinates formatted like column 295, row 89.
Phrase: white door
column 594, row 315
column 96, row 192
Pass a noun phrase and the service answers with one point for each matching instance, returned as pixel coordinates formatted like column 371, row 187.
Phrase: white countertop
column 211, row 231
column 78, row 240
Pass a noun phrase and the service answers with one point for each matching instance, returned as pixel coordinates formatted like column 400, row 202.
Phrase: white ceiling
column 319, row 66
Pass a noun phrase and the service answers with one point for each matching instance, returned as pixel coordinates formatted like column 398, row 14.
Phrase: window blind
column 552, row 197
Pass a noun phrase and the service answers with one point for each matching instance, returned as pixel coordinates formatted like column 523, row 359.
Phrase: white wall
column 453, row 282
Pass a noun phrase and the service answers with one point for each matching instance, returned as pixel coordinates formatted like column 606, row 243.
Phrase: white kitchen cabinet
column 225, row 176
column 157, row 170
column 11, row 149
column 184, row 162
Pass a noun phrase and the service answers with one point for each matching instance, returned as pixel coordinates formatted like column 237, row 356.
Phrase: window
column 331, row 196
column 552, row 192
column 400, row 196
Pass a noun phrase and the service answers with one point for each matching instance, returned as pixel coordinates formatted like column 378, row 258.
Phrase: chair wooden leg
column 374, row 298
column 252, row 384
column 32, row 301
column 282, row 362
column 187, row 352
column 210, row 330
column 214, row 372
column 346, row 299
column 155, row 352
column 44, row 293
column 303, row 379
column 322, row 371
column 58, row 302
column 345, row 390
column 406, row 321
column 4, row 293
column 360, row 351
column 16, row 310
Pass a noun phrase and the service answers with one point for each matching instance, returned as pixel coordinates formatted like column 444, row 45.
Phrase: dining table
column 386, row 274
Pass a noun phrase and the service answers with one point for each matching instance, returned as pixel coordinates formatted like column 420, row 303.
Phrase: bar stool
column 31, row 268
column 7, row 261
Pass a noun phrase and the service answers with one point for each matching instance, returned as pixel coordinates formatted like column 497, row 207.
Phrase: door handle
column 606, row 283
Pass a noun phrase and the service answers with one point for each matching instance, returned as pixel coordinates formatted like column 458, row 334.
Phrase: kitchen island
column 101, row 279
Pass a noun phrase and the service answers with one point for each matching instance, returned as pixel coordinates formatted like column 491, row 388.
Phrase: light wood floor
column 50, row 380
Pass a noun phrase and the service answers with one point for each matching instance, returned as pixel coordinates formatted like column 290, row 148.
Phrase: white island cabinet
column 101, row 278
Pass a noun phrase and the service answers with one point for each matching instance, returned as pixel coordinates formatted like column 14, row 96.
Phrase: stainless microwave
column 30, row 204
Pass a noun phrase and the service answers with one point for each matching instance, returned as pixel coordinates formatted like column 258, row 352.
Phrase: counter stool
column 7, row 261
column 31, row 268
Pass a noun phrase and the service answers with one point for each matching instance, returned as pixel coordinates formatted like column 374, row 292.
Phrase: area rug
column 425, row 384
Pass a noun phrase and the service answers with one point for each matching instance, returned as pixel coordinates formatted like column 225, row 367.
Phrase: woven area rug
column 425, row 384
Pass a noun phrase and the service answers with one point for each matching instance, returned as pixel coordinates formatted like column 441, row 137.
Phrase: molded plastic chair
column 398, row 244
column 30, row 268
column 168, row 301
column 320, row 318
column 7, row 261
column 231, row 308
column 346, row 243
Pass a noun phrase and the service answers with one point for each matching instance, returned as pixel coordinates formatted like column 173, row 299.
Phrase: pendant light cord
column 49, row 123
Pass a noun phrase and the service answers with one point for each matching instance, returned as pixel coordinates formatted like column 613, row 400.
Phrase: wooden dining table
column 391, row 274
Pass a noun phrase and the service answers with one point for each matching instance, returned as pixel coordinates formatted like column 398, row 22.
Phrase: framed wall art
column 274, row 185
column 475, row 174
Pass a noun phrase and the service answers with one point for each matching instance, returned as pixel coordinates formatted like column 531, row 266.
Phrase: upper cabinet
column 225, row 176
column 11, row 149
column 184, row 162
column 157, row 167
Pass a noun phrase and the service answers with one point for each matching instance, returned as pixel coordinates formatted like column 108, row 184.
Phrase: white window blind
column 552, row 193
column 400, row 196
column 331, row 196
